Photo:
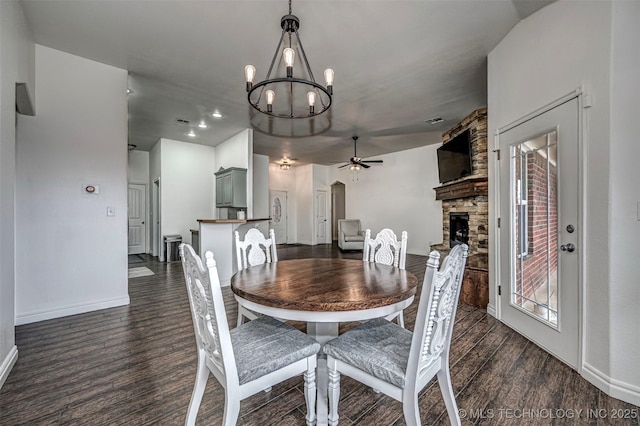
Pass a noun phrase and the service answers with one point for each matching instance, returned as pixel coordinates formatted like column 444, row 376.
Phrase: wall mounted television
column 454, row 158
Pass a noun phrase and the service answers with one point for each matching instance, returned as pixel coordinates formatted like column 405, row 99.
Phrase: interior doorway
column 278, row 202
column 137, row 209
column 337, row 207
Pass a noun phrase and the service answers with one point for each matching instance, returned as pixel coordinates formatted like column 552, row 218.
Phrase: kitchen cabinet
column 231, row 187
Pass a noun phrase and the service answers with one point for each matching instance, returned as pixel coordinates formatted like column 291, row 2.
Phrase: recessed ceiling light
column 216, row 115
column 434, row 120
column 191, row 134
column 202, row 125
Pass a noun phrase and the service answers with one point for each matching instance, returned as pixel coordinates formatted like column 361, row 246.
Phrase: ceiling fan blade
column 366, row 166
column 344, row 165
column 374, row 161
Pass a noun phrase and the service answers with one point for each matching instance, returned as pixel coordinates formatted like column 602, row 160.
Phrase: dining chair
column 247, row 359
column 250, row 252
column 387, row 250
column 394, row 360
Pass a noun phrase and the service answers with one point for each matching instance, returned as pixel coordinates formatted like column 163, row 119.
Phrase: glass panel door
column 539, row 239
column 534, row 207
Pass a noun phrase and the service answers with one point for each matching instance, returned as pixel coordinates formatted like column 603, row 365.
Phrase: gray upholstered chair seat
column 354, row 237
column 378, row 347
column 265, row 345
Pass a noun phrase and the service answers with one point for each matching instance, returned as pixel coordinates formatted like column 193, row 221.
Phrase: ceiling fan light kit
column 284, row 97
column 356, row 163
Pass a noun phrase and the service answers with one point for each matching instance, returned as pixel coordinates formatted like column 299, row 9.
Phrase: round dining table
column 324, row 292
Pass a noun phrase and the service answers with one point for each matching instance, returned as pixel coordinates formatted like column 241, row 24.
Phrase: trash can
column 171, row 248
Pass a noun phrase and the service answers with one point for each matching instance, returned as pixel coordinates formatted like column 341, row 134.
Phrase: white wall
column 187, row 186
column 398, row 195
column 285, row 180
column 138, row 167
column 304, row 204
column 17, row 64
column 624, row 207
column 562, row 47
column 70, row 256
column 260, row 186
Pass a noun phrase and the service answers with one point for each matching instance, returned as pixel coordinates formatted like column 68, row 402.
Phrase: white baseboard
column 70, row 310
column 612, row 387
column 491, row 310
column 306, row 243
column 7, row 364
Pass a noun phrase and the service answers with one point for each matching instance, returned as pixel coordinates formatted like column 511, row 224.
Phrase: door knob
column 568, row 247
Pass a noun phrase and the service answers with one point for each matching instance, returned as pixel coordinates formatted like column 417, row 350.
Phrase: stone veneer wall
column 477, row 206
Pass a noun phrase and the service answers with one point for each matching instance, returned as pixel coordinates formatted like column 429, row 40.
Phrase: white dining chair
column 394, row 360
column 254, row 250
column 247, row 359
column 387, row 250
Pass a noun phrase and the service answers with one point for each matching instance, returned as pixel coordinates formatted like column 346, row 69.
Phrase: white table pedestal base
column 322, row 332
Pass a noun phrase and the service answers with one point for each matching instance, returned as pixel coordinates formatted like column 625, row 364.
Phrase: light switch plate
column 111, row 211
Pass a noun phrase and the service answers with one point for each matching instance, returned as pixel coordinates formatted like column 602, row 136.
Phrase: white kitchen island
column 217, row 236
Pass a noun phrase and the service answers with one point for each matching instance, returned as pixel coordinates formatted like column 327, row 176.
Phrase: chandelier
column 294, row 95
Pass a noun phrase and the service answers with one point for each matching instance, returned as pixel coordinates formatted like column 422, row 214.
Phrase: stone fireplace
column 468, row 196
column 465, row 211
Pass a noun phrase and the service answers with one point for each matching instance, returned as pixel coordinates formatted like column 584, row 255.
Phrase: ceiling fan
column 356, row 162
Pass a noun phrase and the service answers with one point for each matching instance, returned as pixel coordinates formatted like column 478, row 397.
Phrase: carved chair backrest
column 250, row 252
column 437, row 310
column 208, row 314
column 385, row 248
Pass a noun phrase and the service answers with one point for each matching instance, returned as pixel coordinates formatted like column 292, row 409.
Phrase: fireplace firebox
column 458, row 229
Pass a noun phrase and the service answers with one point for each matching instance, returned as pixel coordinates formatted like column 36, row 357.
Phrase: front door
column 137, row 196
column 279, row 215
column 539, row 245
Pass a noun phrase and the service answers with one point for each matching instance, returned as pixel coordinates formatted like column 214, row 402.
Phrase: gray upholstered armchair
column 350, row 235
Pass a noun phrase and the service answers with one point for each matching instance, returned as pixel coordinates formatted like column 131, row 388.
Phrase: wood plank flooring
column 135, row 365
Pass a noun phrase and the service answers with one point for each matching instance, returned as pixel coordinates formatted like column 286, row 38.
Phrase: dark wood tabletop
column 328, row 285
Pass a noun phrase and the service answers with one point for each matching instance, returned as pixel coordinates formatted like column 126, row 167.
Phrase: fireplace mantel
column 470, row 187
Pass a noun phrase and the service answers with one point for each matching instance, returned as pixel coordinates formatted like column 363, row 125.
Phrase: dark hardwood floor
column 135, row 365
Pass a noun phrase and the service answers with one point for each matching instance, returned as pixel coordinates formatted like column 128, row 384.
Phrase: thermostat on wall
column 91, row 189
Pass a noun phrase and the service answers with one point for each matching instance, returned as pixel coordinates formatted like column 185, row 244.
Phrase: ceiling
column 397, row 64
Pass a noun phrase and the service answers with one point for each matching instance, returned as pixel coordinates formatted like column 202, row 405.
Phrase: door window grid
column 534, row 209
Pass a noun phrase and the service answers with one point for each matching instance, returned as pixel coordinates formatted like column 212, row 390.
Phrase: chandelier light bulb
column 271, row 95
column 289, row 56
column 249, row 73
column 311, row 98
column 328, row 79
